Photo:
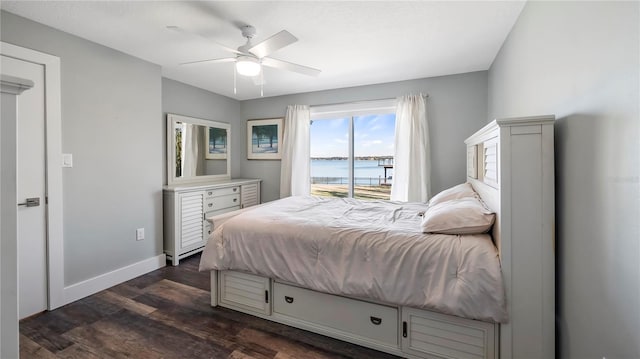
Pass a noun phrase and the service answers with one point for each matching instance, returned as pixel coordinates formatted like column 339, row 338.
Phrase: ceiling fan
column 250, row 58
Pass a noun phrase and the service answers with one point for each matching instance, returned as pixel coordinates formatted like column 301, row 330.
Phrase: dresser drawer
column 207, row 226
column 191, row 221
column 221, row 191
column 249, row 195
column 363, row 319
column 221, row 202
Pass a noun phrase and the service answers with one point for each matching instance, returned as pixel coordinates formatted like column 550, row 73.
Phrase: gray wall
column 579, row 61
column 456, row 108
column 110, row 123
column 182, row 99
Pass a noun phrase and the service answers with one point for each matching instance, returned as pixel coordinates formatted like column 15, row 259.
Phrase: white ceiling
column 353, row 43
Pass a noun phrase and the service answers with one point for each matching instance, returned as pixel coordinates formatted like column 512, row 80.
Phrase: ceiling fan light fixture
column 248, row 66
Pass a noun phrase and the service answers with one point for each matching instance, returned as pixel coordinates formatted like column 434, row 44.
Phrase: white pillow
column 459, row 216
column 462, row 190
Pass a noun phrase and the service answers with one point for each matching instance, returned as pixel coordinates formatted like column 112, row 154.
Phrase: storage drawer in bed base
column 403, row 331
column 246, row 292
column 445, row 336
column 372, row 322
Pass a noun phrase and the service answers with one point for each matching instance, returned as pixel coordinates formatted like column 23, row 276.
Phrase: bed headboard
column 483, row 171
column 510, row 165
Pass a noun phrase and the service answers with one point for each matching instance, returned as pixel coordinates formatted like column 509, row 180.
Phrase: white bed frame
column 510, row 164
column 512, row 169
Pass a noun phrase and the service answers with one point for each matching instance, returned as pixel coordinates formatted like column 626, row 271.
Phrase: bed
column 365, row 272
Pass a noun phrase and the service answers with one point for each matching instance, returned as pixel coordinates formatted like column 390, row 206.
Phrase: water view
column 336, row 171
column 330, row 178
column 372, row 138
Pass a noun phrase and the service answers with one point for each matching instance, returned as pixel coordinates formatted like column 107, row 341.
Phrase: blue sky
column 373, row 136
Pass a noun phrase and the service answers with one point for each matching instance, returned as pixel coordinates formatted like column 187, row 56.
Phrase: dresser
column 186, row 208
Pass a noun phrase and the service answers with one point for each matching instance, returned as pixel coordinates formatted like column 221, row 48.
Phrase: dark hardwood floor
column 166, row 314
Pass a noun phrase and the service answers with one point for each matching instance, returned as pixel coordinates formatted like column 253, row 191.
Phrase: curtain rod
column 357, row 102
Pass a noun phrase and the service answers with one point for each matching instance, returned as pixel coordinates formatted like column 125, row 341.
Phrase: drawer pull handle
column 235, row 200
column 376, row 320
column 210, row 204
column 210, row 193
column 288, row 299
column 235, row 189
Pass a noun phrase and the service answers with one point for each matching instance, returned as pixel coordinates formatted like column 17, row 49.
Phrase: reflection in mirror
column 198, row 149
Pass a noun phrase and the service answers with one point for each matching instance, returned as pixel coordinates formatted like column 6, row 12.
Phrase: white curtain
column 412, row 164
column 190, row 148
column 295, row 167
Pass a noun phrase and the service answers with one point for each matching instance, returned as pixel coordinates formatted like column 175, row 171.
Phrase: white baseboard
column 108, row 280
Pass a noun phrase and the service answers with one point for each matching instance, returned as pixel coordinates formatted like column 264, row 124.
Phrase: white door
column 32, row 240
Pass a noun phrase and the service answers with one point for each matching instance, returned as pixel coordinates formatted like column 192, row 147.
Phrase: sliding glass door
column 330, row 169
column 352, row 156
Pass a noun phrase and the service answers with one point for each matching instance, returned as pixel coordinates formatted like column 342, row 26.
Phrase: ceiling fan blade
column 272, row 44
column 225, row 59
column 283, row 65
column 183, row 31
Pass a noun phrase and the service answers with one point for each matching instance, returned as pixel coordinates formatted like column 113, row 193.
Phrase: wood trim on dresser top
column 203, row 185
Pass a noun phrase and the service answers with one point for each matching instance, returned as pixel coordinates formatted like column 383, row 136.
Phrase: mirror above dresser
column 199, row 185
column 198, row 150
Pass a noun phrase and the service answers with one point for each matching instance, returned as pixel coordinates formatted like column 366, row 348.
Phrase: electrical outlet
column 139, row 234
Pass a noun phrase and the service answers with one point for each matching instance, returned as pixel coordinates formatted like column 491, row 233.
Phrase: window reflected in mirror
column 198, row 150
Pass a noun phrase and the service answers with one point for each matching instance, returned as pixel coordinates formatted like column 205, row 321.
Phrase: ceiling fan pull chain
column 235, row 89
column 261, row 82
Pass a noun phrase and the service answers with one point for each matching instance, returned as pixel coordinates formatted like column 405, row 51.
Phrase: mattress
column 366, row 249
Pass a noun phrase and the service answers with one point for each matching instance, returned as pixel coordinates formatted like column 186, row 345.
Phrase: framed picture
column 264, row 138
column 216, row 142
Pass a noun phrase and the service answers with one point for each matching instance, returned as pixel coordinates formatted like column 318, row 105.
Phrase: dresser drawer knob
column 288, row 299
column 210, row 193
column 235, row 189
column 210, row 204
column 376, row 320
column 235, row 200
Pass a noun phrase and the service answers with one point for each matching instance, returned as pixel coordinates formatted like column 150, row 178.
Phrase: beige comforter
column 364, row 249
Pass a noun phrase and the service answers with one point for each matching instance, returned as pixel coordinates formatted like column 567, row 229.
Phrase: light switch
column 67, row 160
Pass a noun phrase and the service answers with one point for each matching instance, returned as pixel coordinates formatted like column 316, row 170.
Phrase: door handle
column 31, row 202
